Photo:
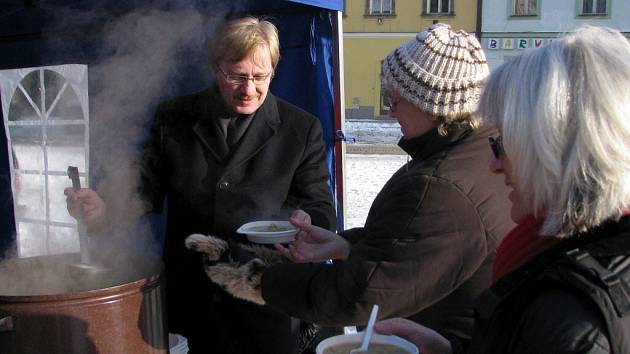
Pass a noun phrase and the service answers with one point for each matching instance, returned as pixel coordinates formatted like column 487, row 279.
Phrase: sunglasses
column 496, row 145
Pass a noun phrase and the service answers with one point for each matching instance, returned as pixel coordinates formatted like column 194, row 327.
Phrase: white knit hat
column 440, row 71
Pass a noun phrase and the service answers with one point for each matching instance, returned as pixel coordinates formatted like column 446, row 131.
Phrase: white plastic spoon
column 367, row 334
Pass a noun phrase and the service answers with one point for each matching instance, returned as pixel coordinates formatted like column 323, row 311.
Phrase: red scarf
column 519, row 246
column 522, row 244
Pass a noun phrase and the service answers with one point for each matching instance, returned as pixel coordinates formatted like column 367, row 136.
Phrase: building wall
column 504, row 35
column 368, row 40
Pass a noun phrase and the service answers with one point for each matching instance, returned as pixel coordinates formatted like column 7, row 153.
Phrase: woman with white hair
column 561, row 276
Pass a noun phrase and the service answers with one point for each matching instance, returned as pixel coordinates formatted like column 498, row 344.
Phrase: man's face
column 244, row 84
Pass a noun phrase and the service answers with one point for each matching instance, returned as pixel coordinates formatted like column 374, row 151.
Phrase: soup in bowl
column 268, row 232
column 379, row 344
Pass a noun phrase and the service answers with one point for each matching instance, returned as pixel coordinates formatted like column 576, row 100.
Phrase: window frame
column 369, row 12
column 383, row 107
column 580, row 8
column 527, row 3
column 426, row 8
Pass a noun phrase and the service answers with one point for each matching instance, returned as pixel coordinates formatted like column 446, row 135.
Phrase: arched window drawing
column 46, row 118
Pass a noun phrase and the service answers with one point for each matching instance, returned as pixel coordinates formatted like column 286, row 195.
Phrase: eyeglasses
column 496, row 145
column 391, row 99
column 238, row 79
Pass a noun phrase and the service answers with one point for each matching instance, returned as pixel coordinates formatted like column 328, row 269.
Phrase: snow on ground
column 365, row 176
column 373, row 131
column 366, row 173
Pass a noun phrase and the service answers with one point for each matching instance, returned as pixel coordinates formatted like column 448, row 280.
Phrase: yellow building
column 373, row 28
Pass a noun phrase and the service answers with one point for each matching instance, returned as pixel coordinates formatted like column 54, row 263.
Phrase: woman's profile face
column 502, row 164
column 413, row 121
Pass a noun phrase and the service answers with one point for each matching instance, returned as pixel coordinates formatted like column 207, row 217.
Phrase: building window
column 384, row 107
column 525, row 7
column 594, row 7
column 384, row 102
column 438, row 7
column 380, row 7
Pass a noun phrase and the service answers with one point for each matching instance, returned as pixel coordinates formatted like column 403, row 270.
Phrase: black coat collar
column 208, row 108
column 611, row 238
column 431, row 142
column 262, row 128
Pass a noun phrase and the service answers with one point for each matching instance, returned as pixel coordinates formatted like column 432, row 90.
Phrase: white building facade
column 509, row 27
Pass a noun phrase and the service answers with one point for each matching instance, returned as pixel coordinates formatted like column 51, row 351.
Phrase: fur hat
column 440, row 71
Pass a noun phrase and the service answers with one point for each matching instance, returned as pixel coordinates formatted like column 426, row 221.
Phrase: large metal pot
column 117, row 319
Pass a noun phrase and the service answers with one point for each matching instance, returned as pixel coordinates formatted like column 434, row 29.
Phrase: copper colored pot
column 117, row 319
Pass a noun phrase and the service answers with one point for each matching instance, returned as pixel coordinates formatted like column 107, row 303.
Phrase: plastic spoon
column 368, row 333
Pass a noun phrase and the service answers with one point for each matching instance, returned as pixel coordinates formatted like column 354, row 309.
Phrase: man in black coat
column 223, row 157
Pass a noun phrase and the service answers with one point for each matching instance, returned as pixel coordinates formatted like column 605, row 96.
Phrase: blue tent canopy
column 55, row 32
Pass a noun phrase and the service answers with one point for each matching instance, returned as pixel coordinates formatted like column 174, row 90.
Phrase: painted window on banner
column 46, row 117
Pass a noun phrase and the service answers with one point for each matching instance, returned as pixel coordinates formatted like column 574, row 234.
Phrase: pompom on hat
column 440, row 71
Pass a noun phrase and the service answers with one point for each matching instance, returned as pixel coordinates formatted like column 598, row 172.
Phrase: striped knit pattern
column 440, row 71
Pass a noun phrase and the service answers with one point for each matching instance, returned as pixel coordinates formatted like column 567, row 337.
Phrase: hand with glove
column 238, row 268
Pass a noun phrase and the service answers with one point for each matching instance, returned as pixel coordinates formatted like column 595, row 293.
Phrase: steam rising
column 146, row 54
column 142, row 53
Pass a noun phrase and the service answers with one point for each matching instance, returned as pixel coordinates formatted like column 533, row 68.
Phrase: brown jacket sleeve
column 424, row 245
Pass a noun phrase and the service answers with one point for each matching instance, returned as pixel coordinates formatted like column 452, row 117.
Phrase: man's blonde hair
column 237, row 39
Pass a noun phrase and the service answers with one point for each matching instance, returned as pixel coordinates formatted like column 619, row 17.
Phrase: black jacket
column 279, row 165
column 555, row 303
column 427, row 246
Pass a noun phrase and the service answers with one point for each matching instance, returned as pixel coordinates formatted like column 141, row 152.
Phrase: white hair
column 564, row 113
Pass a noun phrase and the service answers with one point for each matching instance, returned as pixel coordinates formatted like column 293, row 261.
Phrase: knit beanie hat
column 440, row 71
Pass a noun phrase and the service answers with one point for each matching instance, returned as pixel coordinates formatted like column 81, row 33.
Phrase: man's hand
column 85, row 204
column 314, row 244
column 427, row 340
